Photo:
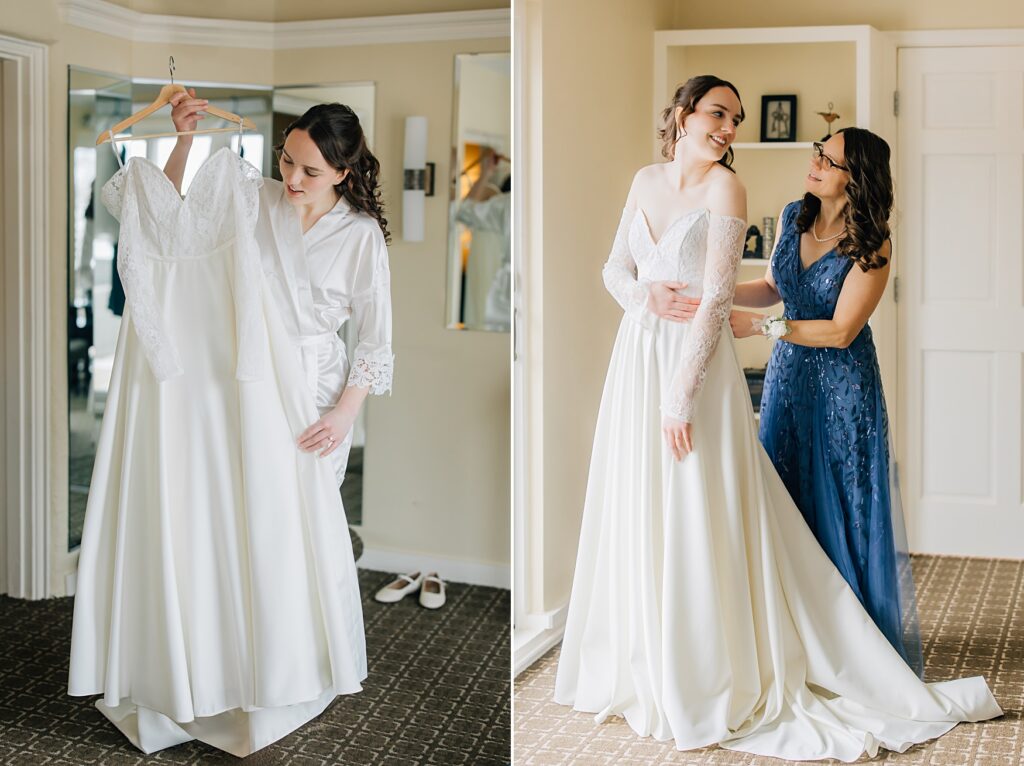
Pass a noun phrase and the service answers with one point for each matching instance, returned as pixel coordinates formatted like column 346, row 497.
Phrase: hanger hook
column 170, row 67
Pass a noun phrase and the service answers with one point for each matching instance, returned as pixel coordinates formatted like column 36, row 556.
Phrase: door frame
column 946, row 38
column 27, row 347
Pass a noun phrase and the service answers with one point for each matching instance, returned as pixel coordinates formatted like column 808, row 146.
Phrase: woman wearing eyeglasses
column 823, row 415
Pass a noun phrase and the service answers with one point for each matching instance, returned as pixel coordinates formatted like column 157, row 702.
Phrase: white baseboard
column 537, row 634
column 452, row 570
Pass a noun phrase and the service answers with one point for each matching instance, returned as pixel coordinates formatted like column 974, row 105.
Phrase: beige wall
column 596, row 102
column 881, row 14
column 437, row 461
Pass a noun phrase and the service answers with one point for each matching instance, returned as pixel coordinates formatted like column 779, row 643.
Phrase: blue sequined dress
column 824, row 425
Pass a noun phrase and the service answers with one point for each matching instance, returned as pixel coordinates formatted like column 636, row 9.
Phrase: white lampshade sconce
column 419, row 179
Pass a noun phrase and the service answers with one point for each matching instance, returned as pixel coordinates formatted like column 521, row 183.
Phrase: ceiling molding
column 110, row 19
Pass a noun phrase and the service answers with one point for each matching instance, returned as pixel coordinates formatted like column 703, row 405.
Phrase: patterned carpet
column 438, row 692
column 971, row 622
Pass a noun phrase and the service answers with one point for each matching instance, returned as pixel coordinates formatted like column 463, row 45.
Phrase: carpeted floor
column 437, row 692
column 972, row 623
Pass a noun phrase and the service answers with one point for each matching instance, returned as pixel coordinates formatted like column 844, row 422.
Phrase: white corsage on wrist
column 772, row 327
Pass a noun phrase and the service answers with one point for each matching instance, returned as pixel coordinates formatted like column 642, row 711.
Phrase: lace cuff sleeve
column 724, row 250
column 620, row 277
column 372, row 361
column 374, row 371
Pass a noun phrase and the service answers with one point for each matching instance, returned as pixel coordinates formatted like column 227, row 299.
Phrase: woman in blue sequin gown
column 823, row 414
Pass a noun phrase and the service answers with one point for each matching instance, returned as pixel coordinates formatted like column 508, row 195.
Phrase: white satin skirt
column 217, row 595
column 703, row 610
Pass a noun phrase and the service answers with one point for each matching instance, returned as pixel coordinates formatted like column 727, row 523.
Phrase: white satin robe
column 335, row 272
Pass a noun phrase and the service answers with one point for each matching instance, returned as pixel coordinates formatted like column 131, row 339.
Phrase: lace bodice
column 699, row 248
column 157, row 224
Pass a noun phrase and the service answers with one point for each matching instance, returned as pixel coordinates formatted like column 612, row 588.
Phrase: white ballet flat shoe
column 399, row 588
column 432, row 592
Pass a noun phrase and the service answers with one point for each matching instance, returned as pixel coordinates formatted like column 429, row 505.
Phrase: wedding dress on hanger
column 217, row 596
column 703, row 610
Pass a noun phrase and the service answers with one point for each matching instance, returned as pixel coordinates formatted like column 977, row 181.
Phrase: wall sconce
column 419, row 179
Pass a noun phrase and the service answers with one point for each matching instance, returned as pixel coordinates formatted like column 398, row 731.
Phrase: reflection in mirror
column 290, row 103
column 96, row 102
column 95, row 301
column 479, row 230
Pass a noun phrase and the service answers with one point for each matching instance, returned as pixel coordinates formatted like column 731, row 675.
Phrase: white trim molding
column 455, row 570
column 26, row 318
column 538, row 634
column 110, row 19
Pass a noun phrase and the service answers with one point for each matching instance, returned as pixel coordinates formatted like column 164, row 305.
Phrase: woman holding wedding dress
column 217, row 593
column 702, row 609
column 323, row 238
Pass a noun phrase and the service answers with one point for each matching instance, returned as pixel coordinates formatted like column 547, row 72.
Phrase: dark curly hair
column 687, row 95
column 336, row 131
column 869, row 199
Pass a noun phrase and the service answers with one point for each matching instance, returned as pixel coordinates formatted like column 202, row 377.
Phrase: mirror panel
column 479, row 229
column 96, row 102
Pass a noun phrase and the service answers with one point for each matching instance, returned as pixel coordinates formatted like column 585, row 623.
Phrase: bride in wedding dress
column 703, row 610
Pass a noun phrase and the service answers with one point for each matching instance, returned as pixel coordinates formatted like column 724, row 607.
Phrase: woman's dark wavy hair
column 336, row 131
column 870, row 199
column 687, row 95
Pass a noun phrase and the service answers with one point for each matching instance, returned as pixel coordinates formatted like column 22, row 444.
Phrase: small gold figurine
column 829, row 117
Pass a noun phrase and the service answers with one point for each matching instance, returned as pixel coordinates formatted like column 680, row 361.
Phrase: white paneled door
column 961, row 201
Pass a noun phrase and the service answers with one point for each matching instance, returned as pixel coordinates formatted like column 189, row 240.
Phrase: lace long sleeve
column 122, row 200
column 620, row 276
column 372, row 361
column 724, row 250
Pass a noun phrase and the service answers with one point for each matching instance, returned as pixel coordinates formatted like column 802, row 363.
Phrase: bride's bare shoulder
column 726, row 194
column 653, row 173
column 645, row 180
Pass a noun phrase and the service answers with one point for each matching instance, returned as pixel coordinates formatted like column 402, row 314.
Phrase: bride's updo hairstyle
column 336, row 131
column 869, row 199
column 687, row 95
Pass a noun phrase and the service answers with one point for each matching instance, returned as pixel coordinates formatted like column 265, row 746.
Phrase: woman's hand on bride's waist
column 666, row 302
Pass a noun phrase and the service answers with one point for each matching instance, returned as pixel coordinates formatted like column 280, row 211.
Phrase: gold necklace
column 814, row 232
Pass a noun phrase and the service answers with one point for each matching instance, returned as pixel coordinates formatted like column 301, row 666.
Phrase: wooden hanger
column 166, row 93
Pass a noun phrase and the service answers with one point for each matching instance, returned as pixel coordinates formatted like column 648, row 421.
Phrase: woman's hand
column 186, row 111
column 666, row 303
column 327, row 433
column 677, row 437
column 745, row 323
